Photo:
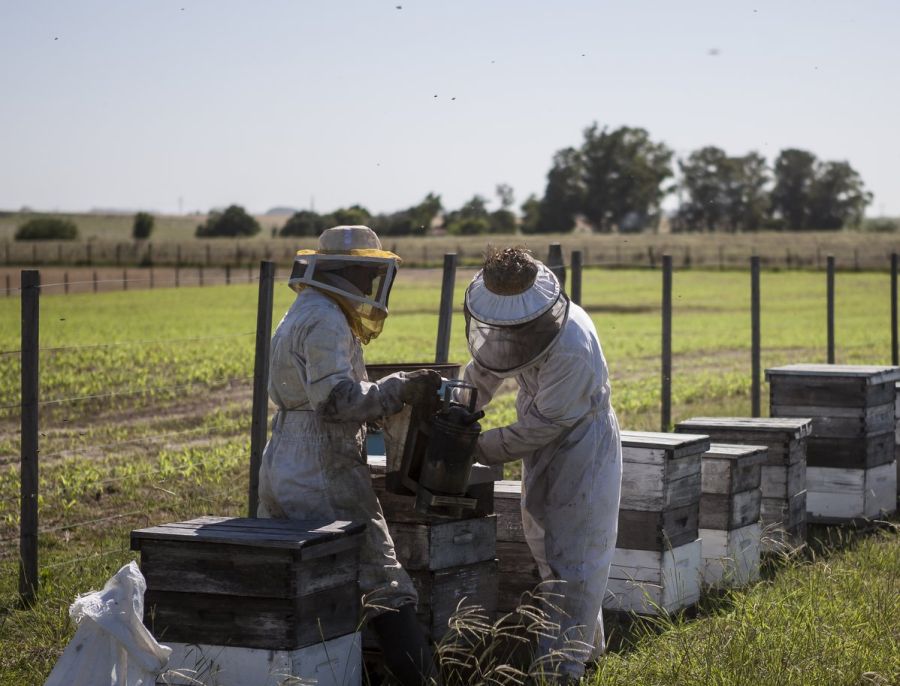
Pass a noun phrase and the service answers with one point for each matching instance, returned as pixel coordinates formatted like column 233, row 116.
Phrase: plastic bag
column 111, row 647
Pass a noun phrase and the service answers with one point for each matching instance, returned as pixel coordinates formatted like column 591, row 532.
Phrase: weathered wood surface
column 518, row 574
column 402, row 508
column 657, row 530
column 731, row 558
column 785, row 438
column 656, row 487
column 637, row 443
column 249, row 571
column 851, row 453
column 730, row 511
column 508, row 506
column 445, row 544
column 335, row 662
column 782, row 481
column 270, row 623
column 443, row 591
column 728, row 468
column 871, row 374
column 849, row 494
column 843, row 422
column 308, row 538
column 827, row 391
column 649, row 582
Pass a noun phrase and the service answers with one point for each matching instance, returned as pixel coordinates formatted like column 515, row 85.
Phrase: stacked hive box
column 452, row 562
column 518, row 570
column 783, row 474
column 897, row 435
column 657, row 563
column 247, row 598
column 851, row 471
column 729, row 513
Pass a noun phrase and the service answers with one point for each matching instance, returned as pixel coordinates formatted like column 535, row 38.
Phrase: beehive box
column 782, row 475
column 274, row 584
column 450, row 561
column 518, row 571
column 661, row 482
column 335, row 662
column 897, row 435
column 851, row 469
column 729, row 513
column 658, row 559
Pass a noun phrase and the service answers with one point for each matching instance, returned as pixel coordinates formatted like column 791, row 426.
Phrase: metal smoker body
column 439, row 451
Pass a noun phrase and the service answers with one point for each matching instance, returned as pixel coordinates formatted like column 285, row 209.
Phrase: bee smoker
column 439, row 451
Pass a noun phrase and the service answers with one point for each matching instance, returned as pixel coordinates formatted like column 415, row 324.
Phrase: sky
column 188, row 105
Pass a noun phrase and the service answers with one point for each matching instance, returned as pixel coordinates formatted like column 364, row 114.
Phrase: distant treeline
column 615, row 181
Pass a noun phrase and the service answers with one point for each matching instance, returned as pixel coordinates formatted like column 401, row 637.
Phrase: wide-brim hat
column 356, row 241
column 509, row 310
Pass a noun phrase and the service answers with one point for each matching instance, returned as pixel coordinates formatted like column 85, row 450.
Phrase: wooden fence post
column 556, row 264
column 666, row 398
column 200, row 274
column 227, row 274
column 95, row 280
column 830, row 287
column 576, row 277
column 754, row 337
column 8, row 286
column 28, row 519
column 895, row 349
column 124, row 279
column 260, row 380
column 445, row 317
column 66, row 283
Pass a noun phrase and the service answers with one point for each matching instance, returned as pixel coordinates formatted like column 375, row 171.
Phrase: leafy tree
column 614, row 180
column 838, row 197
column 234, row 221
column 505, row 194
column 47, row 229
column 502, row 221
column 414, row 221
column 531, row 214
column 723, row 193
column 470, row 219
column 142, row 226
column 795, row 174
column 304, row 223
column 354, row 215
column 810, row 194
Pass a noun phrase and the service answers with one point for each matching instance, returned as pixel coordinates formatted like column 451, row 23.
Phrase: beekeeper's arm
column 563, row 397
column 486, row 383
column 322, row 355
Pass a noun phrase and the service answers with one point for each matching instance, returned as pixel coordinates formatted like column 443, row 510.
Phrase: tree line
column 614, row 181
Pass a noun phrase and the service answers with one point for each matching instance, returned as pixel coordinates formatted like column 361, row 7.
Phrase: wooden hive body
column 275, row 584
column 518, row 571
column 851, row 454
column 782, row 473
column 452, row 562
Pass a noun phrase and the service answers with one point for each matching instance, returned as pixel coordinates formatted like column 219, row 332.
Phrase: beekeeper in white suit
column 519, row 324
column 314, row 466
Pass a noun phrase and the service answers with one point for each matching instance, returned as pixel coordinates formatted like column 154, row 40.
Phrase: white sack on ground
column 111, row 647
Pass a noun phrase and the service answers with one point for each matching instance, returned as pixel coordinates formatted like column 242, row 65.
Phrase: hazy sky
column 138, row 103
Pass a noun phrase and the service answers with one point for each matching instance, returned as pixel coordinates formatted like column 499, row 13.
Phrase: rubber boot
column 406, row 652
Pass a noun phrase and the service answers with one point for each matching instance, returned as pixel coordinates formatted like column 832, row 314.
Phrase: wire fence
column 147, row 477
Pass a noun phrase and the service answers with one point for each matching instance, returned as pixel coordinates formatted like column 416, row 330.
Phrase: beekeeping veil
column 515, row 310
column 347, row 257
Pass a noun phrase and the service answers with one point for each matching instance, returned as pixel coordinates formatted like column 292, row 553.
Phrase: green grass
column 160, row 428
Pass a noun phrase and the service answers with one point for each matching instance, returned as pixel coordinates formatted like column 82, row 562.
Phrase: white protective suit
column 567, row 436
column 315, row 462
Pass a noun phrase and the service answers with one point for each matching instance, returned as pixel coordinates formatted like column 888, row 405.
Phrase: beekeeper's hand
column 421, row 388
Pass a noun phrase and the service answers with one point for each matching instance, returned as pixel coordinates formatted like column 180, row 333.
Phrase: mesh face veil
column 360, row 283
column 507, row 333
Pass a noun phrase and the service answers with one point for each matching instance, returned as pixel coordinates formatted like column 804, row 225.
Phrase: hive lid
column 746, row 454
column 799, row 426
column 480, row 474
column 679, row 444
column 292, row 534
column 873, row 374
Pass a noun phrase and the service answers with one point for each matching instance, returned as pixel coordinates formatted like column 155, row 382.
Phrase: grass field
column 147, row 419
